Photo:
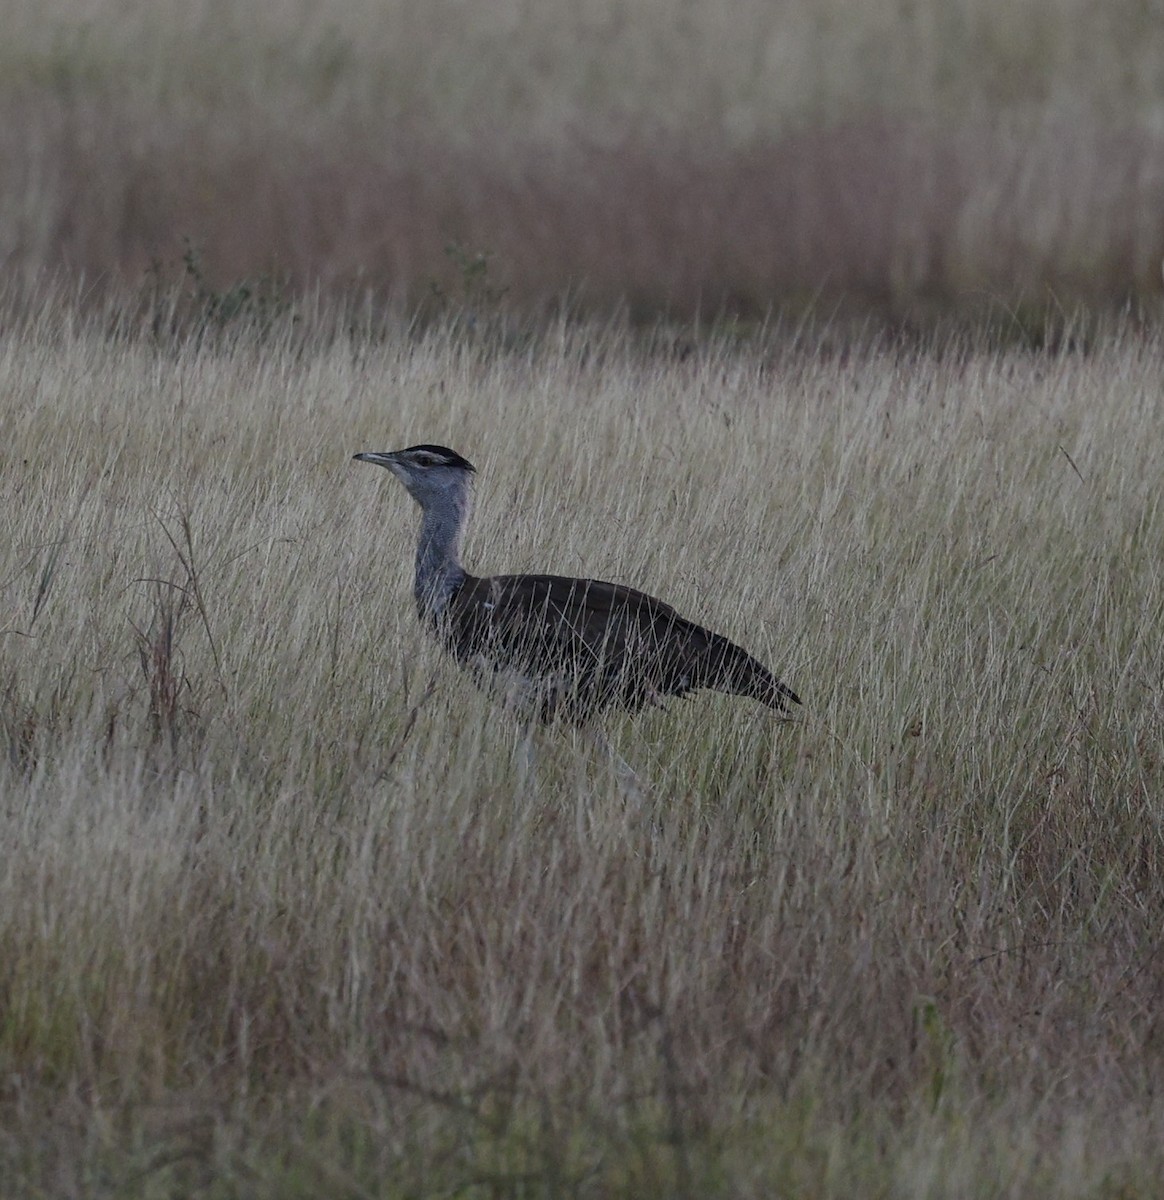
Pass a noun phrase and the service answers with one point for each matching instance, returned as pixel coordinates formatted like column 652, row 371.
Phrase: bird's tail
column 735, row 671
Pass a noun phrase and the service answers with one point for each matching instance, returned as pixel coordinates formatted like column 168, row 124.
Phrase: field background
column 699, row 288
column 674, row 156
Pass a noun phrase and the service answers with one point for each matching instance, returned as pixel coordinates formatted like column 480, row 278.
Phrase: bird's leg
column 629, row 786
column 526, row 759
column 634, row 793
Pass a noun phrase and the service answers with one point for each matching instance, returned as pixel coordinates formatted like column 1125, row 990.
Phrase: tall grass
column 679, row 157
column 280, row 914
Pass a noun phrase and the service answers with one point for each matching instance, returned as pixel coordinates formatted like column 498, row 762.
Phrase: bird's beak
column 382, row 458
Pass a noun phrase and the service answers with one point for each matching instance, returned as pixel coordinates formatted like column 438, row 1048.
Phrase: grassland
column 279, row 917
column 280, row 913
column 671, row 156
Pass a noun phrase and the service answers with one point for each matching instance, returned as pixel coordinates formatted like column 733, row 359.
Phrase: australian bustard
column 556, row 648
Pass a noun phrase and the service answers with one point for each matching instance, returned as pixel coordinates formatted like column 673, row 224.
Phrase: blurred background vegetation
column 671, row 157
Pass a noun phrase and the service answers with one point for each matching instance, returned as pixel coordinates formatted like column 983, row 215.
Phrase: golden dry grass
column 278, row 917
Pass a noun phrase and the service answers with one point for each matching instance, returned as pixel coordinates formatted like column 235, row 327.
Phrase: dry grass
column 278, row 917
column 678, row 157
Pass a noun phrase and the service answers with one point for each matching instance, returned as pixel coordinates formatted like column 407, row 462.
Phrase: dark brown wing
column 578, row 645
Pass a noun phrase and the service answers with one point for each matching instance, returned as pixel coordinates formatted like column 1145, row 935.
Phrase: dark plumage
column 557, row 648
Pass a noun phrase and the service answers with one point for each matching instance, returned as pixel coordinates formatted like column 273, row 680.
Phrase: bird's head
column 430, row 473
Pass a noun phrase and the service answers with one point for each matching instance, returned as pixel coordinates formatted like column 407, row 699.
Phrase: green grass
column 748, row 70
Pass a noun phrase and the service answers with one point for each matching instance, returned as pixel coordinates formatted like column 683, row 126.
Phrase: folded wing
column 571, row 647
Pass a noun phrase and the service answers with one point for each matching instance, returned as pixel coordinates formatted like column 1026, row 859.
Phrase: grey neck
column 438, row 553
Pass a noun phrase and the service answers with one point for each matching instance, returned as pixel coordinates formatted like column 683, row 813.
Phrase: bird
column 556, row 648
